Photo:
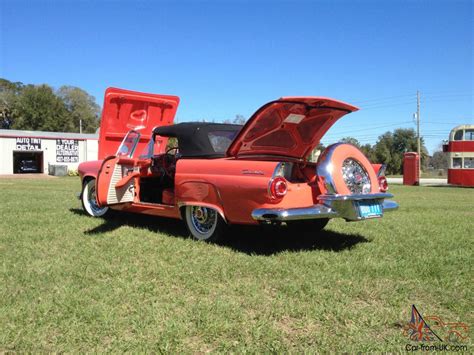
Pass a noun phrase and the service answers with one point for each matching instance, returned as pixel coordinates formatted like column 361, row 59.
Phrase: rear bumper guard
column 330, row 206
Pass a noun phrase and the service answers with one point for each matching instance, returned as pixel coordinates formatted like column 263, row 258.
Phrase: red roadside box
column 411, row 169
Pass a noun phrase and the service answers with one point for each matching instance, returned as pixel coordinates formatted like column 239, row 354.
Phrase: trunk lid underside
column 289, row 127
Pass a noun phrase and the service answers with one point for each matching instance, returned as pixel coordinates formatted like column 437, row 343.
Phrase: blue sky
column 230, row 57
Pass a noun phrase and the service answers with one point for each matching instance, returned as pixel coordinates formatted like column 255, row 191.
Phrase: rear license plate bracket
column 369, row 209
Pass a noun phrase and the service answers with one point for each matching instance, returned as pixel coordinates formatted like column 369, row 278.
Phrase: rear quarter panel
column 234, row 187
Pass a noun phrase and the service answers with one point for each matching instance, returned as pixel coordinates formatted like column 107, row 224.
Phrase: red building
column 461, row 155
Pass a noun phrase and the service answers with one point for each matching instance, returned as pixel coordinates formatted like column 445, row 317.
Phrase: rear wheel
column 204, row 223
column 89, row 200
column 308, row 226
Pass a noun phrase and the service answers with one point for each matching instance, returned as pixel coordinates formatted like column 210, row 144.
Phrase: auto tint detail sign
column 67, row 151
column 26, row 143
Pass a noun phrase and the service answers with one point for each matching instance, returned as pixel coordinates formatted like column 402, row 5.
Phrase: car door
column 138, row 114
column 116, row 179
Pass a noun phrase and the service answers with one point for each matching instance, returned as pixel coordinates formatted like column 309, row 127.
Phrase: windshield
column 129, row 144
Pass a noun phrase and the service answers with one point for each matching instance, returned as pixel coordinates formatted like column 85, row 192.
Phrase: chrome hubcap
column 356, row 177
column 203, row 219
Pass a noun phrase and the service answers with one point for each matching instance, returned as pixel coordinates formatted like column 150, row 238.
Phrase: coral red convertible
column 220, row 174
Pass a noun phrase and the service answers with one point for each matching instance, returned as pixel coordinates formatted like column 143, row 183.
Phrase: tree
column 390, row 148
column 439, row 160
column 383, row 153
column 366, row 148
column 238, row 119
column 9, row 92
column 81, row 107
column 351, row 140
column 38, row 108
column 368, row 151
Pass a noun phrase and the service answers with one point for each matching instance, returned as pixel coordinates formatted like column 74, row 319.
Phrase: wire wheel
column 355, row 176
column 204, row 223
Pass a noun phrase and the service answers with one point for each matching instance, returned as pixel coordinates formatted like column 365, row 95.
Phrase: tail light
column 278, row 187
column 383, row 183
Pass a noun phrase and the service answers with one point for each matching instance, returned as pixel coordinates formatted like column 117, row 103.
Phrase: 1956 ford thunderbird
column 221, row 174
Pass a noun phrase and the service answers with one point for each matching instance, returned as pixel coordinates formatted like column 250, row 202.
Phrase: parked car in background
column 221, row 174
column 28, row 166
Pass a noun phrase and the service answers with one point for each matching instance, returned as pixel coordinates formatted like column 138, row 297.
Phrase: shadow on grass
column 251, row 240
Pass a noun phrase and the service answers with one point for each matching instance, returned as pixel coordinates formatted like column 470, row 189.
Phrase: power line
column 440, row 123
column 445, row 99
column 446, row 92
column 447, row 95
column 387, row 98
column 380, row 100
column 365, row 108
column 370, row 128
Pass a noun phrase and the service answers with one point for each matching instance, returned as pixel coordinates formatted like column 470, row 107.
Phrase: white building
column 35, row 151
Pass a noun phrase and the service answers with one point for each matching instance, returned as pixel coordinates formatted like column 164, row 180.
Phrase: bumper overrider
column 330, row 206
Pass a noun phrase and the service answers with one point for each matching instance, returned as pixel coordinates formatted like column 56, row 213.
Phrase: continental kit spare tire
column 346, row 170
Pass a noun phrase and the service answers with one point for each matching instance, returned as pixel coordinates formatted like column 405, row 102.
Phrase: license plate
column 370, row 209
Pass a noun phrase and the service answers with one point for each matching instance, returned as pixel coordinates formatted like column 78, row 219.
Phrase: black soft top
column 201, row 139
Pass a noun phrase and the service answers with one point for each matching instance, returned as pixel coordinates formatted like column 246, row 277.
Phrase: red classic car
column 220, row 174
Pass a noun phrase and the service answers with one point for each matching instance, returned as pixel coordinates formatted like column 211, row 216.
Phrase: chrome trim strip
column 325, row 167
column 355, row 197
column 290, row 214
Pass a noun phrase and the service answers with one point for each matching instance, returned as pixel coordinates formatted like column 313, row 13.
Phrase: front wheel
column 89, row 200
column 204, row 223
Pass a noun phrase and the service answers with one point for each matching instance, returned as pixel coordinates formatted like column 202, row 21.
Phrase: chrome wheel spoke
column 355, row 177
column 203, row 219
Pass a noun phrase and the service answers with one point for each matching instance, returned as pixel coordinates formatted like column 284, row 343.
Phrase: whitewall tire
column 204, row 223
column 89, row 201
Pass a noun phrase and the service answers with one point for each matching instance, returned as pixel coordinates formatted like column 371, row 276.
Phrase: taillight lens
column 383, row 183
column 278, row 187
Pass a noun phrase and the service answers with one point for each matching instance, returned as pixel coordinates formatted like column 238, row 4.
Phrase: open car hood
column 288, row 127
column 125, row 110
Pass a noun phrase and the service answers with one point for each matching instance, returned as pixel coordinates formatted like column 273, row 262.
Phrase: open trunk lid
column 125, row 110
column 289, row 127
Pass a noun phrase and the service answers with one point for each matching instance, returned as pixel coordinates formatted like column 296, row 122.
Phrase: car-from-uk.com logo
column 431, row 333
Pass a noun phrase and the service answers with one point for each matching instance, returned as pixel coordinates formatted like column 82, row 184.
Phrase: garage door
column 27, row 162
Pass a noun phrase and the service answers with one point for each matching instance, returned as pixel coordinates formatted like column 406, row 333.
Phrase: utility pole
column 80, row 125
column 418, row 128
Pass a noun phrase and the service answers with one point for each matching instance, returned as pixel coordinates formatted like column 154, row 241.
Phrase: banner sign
column 67, row 151
column 25, row 143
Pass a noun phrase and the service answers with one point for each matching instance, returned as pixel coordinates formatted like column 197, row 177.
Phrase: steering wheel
column 171, row 149
column 168, row 162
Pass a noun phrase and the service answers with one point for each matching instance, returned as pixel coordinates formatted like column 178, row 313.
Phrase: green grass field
column 135, row 283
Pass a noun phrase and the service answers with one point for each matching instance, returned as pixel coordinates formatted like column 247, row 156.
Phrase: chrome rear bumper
column 331, row 206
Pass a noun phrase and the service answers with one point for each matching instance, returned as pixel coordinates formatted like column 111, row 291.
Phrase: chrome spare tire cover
column 346, row 170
